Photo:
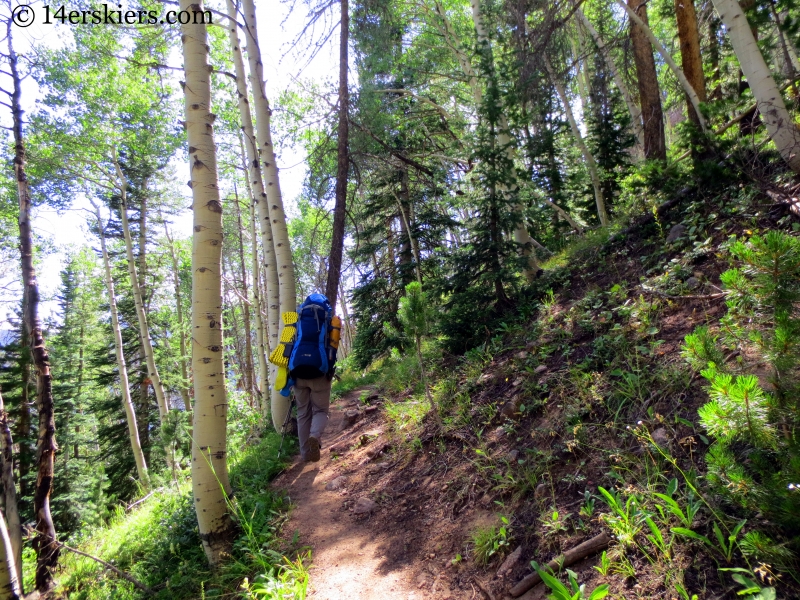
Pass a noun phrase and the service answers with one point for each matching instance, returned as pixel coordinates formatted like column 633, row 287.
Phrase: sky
column 279, row 24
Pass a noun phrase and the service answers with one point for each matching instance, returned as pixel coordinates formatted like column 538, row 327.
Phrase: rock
column 364, row 506
column 350, row 417
column 510, row 562
column 370, row 409
column 339, row 448
column 540, row 491
column 336, row 484
column 510, row 410
column 486, row 500
column 522, row 355
column 676, row 232
column 660, row 436
column 540, row 369
column 692, row 283
column 518, row 382
column 485, row 378
column 513, row 455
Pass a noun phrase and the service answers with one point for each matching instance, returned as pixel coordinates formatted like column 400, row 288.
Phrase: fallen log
column 570, row 557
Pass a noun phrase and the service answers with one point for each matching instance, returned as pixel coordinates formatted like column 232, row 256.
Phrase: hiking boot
column 313, row 449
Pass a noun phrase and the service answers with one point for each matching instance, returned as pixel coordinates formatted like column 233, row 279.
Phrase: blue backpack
column 312, row 356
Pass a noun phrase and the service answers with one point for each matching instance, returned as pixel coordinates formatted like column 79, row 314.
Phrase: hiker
column 311, row 369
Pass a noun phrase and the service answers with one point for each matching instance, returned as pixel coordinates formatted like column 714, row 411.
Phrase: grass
column 158, row 543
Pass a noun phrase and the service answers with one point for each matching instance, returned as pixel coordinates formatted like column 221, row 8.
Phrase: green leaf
column 601, row 591
column 691, row 534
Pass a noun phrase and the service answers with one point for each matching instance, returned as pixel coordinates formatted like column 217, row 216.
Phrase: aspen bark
column 184, row 365
column 9, row 579
column 263, row 369
column 342, row 163
column 633, row 108
column 45, row 542
column 9, row 497
column 655, row 144
column 280, row 234
column 782, row 129
column 141, row 313
column 591, row 164
column 210, row 484
column 271, row 299
column 248, row 344
column 127, row 403
column 691, row 61
column 641, row 23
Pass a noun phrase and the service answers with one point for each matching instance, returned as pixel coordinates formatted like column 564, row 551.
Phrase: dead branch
column 111, row 567
column 597, row 543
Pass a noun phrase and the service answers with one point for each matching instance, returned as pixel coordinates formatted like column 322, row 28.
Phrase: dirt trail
column 349, row 550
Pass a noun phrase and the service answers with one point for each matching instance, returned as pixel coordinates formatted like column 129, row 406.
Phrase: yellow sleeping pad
column 281, row 377
column 280, row 356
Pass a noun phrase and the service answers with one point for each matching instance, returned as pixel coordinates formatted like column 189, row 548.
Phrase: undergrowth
column 157, row 543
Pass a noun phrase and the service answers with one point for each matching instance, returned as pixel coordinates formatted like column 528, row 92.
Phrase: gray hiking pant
column 313, row 401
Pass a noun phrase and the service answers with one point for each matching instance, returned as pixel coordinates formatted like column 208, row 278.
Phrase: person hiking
column 311, row 368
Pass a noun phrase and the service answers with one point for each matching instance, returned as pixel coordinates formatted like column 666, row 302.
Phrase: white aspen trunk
column 256, row 185
column 280, row 234
column 580, row 72
column 261, row 338
column 141, row 316
column 687, row 87
column 633, row 108
column 9, row 498
column 210, row 483
column 127, row 403
column 9, row 580
column 591, row 164
column 176, row 283
column 781, row 127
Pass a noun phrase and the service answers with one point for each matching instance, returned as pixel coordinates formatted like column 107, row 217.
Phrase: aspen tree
column 45, row 543
column 141, row 314
column 176, row 284
column 250, row 156
column 633, row 108
column 248, row 344
column 9, row 493
column 288, row 293
column 261, row 338
column 210, row 484
column 127, row 403
column 591, row 164
column 781, row 127
column 9, row 580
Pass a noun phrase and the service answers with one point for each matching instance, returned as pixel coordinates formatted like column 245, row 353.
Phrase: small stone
column 339, row 448
column 513, row 455
column 336, row 484
column 540, row 369
column 660, row 436
column 364, row 506
column 517, row 382
column 676, row 232
column 540, row 491
column 510, row 562
column 510, row 409
column 522, row 355
column 350, row 416
column 692, row 283
column 486, row 500
column 370, row 409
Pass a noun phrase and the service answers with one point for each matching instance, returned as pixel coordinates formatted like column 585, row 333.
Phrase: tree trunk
column 643, row 27
column 138, row 300
column 280, row 233
column 210, row 484
column 184, row 361
column 655, row 145
column 781, row 127
column 591, row 164
column 342, row 164
column 261, row 337
column 9, row 579
column 691, row 61
column 271, row 299
column 45, row 542
column 633, row 108
column 248, row 344
column 127, row 403
column 9, row 498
